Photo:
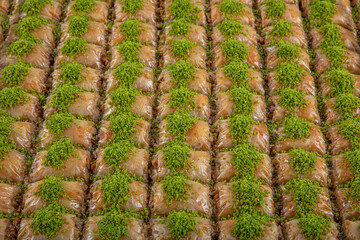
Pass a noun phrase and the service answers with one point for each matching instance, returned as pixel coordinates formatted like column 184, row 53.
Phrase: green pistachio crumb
column 275, row 8
column 73, row 47
column 282, row 28
column 231, row 7
column 289, row 74
column 302, row 161
column 78, row 25
column 131, row 6
column 235, row 50
column 176, row 155
column 58, row 122
column 296, row 128
column 229, row 27
column 71, row 72
column 58, row 152
column 15, row 73
column 181, row 73
column 10, row 97
column 176, row 187
column 180, row 224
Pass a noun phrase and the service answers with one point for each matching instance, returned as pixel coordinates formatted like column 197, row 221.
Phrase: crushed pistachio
column 346, row 104
column 181, row 48
column 176, row 155
column 181, row 73
column 178, row 28
column 289, row 74
column 129, row 49
column 180, row 224
column 238, row 72
column 182, row 98
column 241, row 126
column 64, row 96
column 85, row 6
column 58, row 152
column 51, row 189
column 117, row 152
column 349, row 128
column 122, row 125
column 71, row 72
column 231, row 7
column 282, row 28
column 15, row 73
column 314, row 226
column 33, row 7
column 176, row 187
column 22, row 46
column 353, row 160
column 243, row 98
column 183, row 10
column 234, row 50
column 114, row 225
column 131, row 6
column 287, row 51
column 78, row 25
column 131, row 29
column 127, row 73
column 6, row 122
column 73, row 47
column 275, row 8
column 229, row 27
column 321, row 12
column 291, row 98
column 28, row 24
column 296, row 128
column 248, row 191
column 179, row 123
column 245, row 157
column 58, row 122
column 10, row 97
column 302, row 161
column 340, row 80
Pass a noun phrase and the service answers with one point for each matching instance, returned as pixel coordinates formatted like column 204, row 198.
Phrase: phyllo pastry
column 176, row 192
column 50, row 223
column 80, row 132
column 244, row 159
column 295, row 132
column 61, row 159
column 183, row 49
column 290, row 75
column 97, row 11
column 78, row 50
column 184, row 98
column 120, row 189
column 24, row 75
column 234, row 50
column 70, row 194
column 49, row 10
column 192, row 10
column 241, row 127
column 10, row 198
column 184, row 74
column 246, row 191
column 131, row 74
column 302, row 196
column 299, row 162
column 347, row 200
column 351, row 229
column 115, row 224
column 178, row 29
column 178, row 156
column 181, row 124
column 181, row 224
column 345, row 166
column 122, row 125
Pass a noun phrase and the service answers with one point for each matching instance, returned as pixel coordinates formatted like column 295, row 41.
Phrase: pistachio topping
column 245, row 157
column 71, row 72
column 176, row 155
column 287, row 51
column 28, row 24
column 178, row 28
column 349, row 128
column 182, row 98
column 231, row 7
column 353, row 160
column 179, row 123
column 275, row 8
column 176, row 187
column 340, row 81
column 229, row 27
column 64, row 96
column 10, row 97
column 235, row 50
column 249, row 223
column 181, row 73
column 241, row 126
column 238, row 72
column 51, row 189
column 6, row 122
column 123, row 97
column 115, row 188
column 58, row 152
column 131, row 29
column 58, row 122
column 243, row 99
column 291, row 98
column 248, row 191
column 302, row 161
column 48, row 220
column 123, row 125
column 305, row 194
column 183, row 10
column 315, row 226
column 296, row 128
column 78, row 25
column 282, row 28
column 15, row 73
column 131, row 6
column 180, row 223
column 129, row 50
column 117, row 152
column 289, row 74
column 181, row 48
column 127, row 73
column 114, row 225
column 33, row 7
column 85, row 6
column 346, row 104
column 73, row 47
column 22, row 46
column 321, row 12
